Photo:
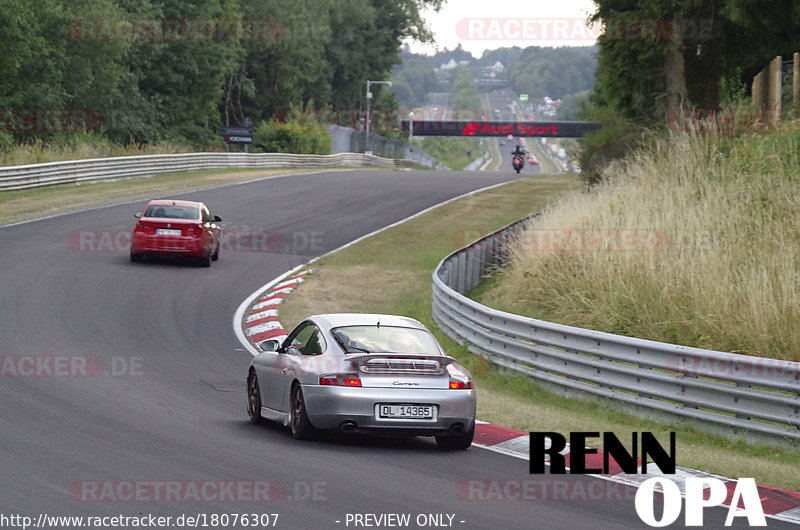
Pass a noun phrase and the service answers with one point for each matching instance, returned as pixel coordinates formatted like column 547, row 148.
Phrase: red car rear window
column 172, row 212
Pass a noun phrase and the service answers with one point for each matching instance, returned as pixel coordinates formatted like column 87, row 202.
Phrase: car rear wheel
column 253, row 398
column 462, row 441
column 136, row 258
column 215, row 255
column 205, row 261
column 301, row 426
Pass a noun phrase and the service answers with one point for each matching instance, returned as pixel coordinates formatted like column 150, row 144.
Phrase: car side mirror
column 270, row 345
column 217, row 219
column 138, row 215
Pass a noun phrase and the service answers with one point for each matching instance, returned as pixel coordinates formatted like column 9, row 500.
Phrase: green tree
column 412, row 79
column 180, row 80
column 464, row 90
column 287, row 69
column 507, row 56
column 181, row 88
column 572, row 106
column 47, row 64
column 693, row 45
column 553, row 72
column 300, row 132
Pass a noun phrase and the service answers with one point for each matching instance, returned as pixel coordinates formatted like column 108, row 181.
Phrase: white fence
column 98, row 169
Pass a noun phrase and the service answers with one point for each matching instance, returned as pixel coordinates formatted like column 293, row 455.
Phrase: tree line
column 657, row 56
column 176, row 70
column 535, row 70
column 663, row 58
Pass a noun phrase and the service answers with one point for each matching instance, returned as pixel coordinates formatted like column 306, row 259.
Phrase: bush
column 615, row 139
column 196, row 137
column 6, row 141
column 277, row 137
column 455, row 153
column 301, row 133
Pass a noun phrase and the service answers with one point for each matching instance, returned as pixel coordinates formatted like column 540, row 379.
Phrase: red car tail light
column 458, row 384
column 144, row 229
column 340, row 380
column 193, row 228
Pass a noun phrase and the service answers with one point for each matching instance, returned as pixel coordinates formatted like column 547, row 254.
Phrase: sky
column 488, row 24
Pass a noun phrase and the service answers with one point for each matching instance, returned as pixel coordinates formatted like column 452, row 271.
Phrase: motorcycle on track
column 518, row 163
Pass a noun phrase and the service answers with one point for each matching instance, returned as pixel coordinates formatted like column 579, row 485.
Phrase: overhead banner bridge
column 558, row 129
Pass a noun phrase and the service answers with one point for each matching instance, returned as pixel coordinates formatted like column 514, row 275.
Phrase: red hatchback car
column 176, row 228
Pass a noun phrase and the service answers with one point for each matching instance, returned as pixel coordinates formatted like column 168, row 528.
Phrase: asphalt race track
column 103, row 445
column 507, row 159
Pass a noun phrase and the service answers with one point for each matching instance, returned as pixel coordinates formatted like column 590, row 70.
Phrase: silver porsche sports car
column 362, row 373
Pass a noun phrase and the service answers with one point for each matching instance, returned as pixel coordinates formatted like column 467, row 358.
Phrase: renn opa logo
column 614, row 458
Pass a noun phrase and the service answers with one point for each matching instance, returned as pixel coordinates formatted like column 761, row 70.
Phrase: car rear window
column 385, row 339
column 172, row 212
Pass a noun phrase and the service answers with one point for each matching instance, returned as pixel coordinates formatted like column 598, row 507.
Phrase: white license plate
column 167, row 232
column 406, row 412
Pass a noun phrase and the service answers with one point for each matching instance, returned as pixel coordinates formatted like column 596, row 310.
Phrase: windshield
column 172, row 212
column 385, row 339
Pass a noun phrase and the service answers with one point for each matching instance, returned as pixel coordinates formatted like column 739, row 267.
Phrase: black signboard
column 237, row 135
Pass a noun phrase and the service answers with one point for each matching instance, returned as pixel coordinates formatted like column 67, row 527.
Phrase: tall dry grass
column 693, row 240
column 82, row 147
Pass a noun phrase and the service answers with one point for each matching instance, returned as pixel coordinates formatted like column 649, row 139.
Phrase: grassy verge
column 455, row 153
column 23, row 205
column 496, row 160
column 77, row 146
column 391, row 273
column 544, row 157
column 693, row 241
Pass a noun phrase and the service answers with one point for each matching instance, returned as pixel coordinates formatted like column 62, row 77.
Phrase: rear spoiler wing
column 386, row 363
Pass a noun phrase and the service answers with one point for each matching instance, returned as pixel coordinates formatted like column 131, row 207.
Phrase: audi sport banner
column 561, row 129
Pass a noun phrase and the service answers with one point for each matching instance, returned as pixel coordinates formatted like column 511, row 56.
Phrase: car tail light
column 460, row 384
column 144, row 229
column 340, row 380
column 193, row 228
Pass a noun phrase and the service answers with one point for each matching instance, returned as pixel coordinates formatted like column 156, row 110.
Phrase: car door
column 271, row 369
column 210, row 229
column 304, row 342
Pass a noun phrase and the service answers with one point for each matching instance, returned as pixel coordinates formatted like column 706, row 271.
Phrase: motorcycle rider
column 519, row 158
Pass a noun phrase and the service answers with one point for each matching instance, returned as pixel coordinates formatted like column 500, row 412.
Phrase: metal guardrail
column 478, row 162
column 96, row 169
column 732, row 392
